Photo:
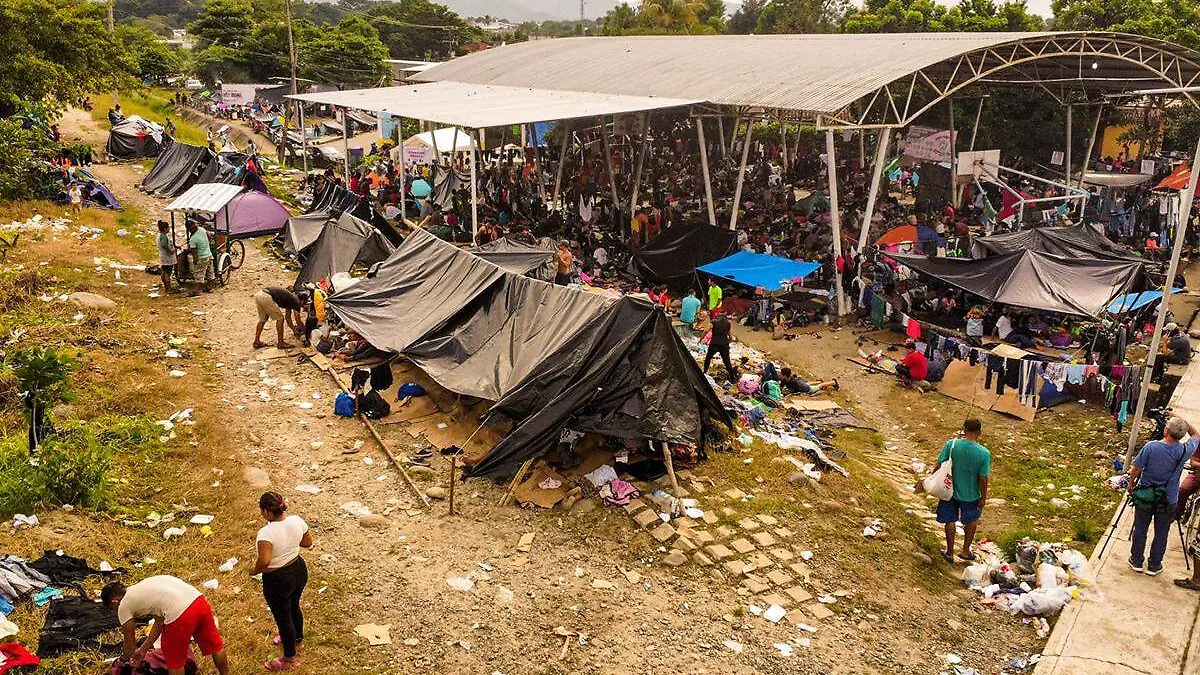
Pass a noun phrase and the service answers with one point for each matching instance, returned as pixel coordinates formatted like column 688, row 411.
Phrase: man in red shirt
column 914, row 367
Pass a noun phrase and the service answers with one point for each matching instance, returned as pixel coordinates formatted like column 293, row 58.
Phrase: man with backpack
column 970, row 469
column 1154, row 491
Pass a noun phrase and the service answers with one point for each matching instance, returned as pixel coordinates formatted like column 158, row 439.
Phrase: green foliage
column 745, row 20
column 419, row 29
column 74, row 466
column 44, row 371
column 223, row 22
column 899, row 16
column 155, row 60
column 24, row 152
column 349, row 54
column 57, row 49
column 801, row 16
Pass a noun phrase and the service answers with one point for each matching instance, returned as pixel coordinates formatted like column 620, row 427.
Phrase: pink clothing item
column 913, row 330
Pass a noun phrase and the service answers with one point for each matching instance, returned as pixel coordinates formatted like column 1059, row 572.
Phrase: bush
column 73, row 467
column 25, row 151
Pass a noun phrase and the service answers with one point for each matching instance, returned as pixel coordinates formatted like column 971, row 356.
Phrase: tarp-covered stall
column 177, row 169
column 342, row 244
column 521, row 258
column 302, row 231
column 673, row 255
column 1069, row 241
column 759, row 270
column 1076, row 286
column 1134, row 301
column 135, row 137
column 252, row 214
column 549, row 356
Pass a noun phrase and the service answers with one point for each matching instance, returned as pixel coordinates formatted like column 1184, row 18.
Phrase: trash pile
column 1043, row 578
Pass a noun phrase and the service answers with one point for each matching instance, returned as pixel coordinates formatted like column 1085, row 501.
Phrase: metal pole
column 876, row 178
column 783, row 143
column 454, row 149
column 721, row 133
column 737, row 122
column 862, row 149
column 975, row 127
column 345, row 143
column 953, row 151
column 537, row 165
column 712, row 214
column 1087, row 158
column 562, row 160
column 835, row 218
column 737, row 192
column 1067, row 155
column 403, row 171
column 641, row 160
column 612, row 180
column 303, row 136
column 474, row 187
column 1185, row 216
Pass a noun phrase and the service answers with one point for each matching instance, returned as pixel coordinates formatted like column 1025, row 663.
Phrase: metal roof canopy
column 479, row 106
column 205, row 198
column 893, row 78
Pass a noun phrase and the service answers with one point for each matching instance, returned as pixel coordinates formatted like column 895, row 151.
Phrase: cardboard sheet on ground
column 276, row 353
column 343, row 366
column 810, row 404
column 1009, row 404
column 529, row 492
column 321, row 361
column 964, row 383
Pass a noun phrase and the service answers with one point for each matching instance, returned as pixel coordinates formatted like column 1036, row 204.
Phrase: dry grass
column 124, row 373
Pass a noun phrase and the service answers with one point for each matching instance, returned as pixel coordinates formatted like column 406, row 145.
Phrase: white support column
column 303, row 137
column 881, row 147
column 454, row 149
column 783, row 143
column 975, row 127
column 1185, row 216
column 562, row 160
column 1087, row 158
column 721, row 133
column 737, row 122
column 953, row 152
column 712, row 214
column 1067, row 155
column 612, row 179
column 641, row 160
column 537, row 165
column 737, row 192
column 835, row 218
column 403, row 171
column 474, row 183
column 862, row 149
column 345, row 143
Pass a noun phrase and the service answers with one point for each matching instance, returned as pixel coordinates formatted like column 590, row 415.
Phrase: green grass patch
column 155, row 105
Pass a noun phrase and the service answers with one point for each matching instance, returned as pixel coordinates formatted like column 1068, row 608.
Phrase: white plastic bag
column 940, row 483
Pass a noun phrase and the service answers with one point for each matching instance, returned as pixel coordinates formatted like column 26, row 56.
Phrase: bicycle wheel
column 224, row 269
column 237, row 253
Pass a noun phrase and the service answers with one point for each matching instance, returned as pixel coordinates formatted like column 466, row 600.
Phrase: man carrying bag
column 1154, row 492
column 969, row 465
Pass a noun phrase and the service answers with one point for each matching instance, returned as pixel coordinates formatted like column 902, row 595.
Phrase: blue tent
column 1133, row 301
column 758, row 270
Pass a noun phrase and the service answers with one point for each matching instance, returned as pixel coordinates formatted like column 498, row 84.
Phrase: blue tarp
column 1132, row 301
column 759, row 270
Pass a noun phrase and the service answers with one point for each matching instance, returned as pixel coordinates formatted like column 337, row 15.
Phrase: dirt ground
column 591, row 572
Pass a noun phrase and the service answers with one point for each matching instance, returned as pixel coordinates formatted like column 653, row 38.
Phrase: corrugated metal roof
column 205, row 198
column 479, row 106
column 810, row 73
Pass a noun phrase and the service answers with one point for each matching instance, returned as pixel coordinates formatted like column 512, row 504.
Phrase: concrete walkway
column 1144, row 625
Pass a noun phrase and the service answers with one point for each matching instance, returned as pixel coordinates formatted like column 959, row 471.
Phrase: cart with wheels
column 202, row 203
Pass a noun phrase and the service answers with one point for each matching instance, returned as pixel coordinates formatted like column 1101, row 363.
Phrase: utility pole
column 581, row 18
column 112, row 29
column 295, row 89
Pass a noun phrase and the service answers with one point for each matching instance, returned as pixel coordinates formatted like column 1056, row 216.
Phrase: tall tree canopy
column 912, row 16
column 419, row 29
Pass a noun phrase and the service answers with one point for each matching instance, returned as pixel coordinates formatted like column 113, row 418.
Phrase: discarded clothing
column 618, row 493
column 603, row 475
column 154, row 663
column 65, row 569
column 833, row 418
column 45, row 595
column 18, row 579
column 13, row 655
column 74, row 623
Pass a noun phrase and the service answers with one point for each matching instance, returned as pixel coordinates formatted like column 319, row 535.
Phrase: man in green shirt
column 971, row 465
column 202, row 261
column 714, row 295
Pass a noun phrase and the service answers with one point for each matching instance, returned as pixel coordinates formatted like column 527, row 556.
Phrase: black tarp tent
column 223, row 168
column 550, row 357
column 134, row 137
column 445, row 184
column 342, row 244
column 1072, row 241
column 177, row 169
column 1078, row 286
column 672, row 257
column 333, row 198
column 521, row 258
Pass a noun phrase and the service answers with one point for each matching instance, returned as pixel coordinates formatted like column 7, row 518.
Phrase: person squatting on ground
column 1154, row 492
column 914, row 367
column 284, row 574
column 970, row 468
column 180, row 612
column 281, row 305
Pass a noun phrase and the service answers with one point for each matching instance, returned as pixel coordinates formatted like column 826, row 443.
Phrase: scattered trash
column 463, row 584
column 774, row 613
column 603, row 584
column 172, row 532
column 733, row 646
column 806, row 555
column 177, row 373
column 228, row 565
column 525, row 543
column 355, row 508
column 105, row 566
column 21, row 521
column 201, row 519
column 211, row 584
column 307, row 489
column 375, row 634
column 504, row 595
column 784, row 648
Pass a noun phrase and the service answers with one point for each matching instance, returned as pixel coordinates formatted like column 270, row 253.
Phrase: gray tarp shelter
column 343, row 244
column 549, row 356
column 1034, row 280
column 521, row 258
column 1081, row 240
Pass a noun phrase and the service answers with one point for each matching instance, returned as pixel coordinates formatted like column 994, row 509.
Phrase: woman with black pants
column 284, row 574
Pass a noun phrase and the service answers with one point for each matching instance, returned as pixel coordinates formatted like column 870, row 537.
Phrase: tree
column 620, row 20
column 419, row 29
column 672, row 16
column 227, row 23
column 58, row 50
column 1172, row 20
column 712, row 15
column 745, row 20
column 801, row 16
column 154, row 58
column 350, row 54
column 910, row 16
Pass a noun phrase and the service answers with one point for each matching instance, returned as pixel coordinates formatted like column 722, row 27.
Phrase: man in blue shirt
column 1159, row 465
column 971, row 469
column 688, row 308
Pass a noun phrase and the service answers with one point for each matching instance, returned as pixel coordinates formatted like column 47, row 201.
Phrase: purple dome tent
column 252, row 214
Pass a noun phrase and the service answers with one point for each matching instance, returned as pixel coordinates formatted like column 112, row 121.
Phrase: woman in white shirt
column 284, row 574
